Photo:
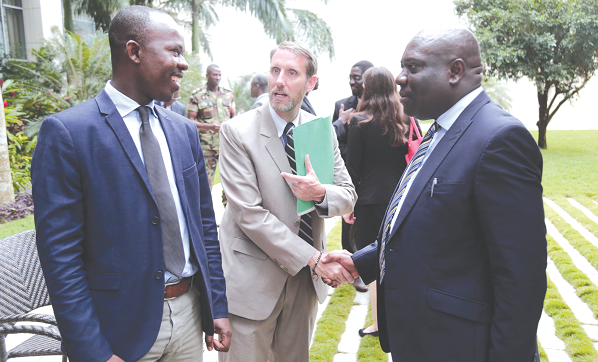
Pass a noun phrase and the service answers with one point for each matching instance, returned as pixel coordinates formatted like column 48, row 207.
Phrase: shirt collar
column 449, row 117
column 124, row 105
column 281, row 123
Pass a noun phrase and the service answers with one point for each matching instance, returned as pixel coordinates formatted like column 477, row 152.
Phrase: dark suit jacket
column 177, row 107
column 374, row 165
column 306, row 106
column 98, row 232
column 465, row 266
column 342, row 131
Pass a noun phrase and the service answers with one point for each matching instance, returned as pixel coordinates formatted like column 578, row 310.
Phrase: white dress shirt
column 445, row 121
column 127, row 108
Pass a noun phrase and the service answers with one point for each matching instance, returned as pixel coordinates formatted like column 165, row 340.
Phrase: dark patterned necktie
column 305, row 231
column 174, row 255
column 414, row 165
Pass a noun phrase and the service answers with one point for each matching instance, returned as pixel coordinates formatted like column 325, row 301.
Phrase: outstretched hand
column 306, row 187
column 330, row 271
column 345, row 116
column 342, row 257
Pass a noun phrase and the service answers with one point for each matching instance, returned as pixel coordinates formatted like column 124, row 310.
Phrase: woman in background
column 376, row 152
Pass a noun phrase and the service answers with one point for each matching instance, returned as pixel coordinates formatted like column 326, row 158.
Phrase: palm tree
column 100, row 10
column 280, row 22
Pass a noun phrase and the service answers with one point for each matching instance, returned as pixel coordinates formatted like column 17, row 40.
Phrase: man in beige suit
column 269, row 268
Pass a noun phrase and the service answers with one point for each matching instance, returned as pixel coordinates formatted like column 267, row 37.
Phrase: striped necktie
column 305, row 231
column 414, row 165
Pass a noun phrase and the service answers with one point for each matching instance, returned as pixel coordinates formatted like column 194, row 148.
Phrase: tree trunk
column 195, row 27
column 68, row 15
column 7, row 193
column 543, row 118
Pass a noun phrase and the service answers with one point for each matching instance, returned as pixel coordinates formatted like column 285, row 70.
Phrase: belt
column 177, row 288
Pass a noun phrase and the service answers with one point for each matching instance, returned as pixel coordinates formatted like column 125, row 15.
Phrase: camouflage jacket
column 209, row 108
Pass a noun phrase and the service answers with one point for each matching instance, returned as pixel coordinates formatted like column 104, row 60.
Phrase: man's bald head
column 439, row 68
column 450, row 44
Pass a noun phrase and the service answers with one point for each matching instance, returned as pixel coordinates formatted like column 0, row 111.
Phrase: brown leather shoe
column 360, row 285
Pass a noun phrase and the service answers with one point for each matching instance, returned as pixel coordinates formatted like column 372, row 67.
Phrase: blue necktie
column 414, row 165
column 305, row 231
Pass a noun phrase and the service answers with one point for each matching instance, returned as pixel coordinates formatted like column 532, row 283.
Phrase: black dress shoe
column 360, row 285
column 363, row 333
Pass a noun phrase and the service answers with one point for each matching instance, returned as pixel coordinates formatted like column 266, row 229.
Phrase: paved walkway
column 553, row 346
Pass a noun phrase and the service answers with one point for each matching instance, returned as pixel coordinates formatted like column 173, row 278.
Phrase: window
column 13, row 28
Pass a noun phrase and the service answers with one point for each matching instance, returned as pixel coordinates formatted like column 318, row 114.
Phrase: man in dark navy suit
column 461, row 255
column 125, row 225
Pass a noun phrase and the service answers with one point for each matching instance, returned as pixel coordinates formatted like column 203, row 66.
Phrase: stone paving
column 553, row 346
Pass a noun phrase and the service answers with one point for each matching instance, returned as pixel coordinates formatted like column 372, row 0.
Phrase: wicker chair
column 23, row 289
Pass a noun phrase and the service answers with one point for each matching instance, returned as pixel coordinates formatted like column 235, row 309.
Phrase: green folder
column 314, row 138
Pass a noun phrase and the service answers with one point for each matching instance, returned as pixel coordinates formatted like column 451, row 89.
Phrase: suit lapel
column 121, row 131
column 438, row 155
column 272, row 142
column 173, row 140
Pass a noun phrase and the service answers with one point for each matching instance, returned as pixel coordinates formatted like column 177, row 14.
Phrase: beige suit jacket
column 259, row 230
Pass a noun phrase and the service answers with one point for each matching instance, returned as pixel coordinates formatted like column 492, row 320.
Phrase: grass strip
column 331, row 326
column 577, row 343
column 543, row 356
column 585, row 248
column 16, row 226
column 577, row 214
column 369, row 347
column 584, row 288
column 588, row 203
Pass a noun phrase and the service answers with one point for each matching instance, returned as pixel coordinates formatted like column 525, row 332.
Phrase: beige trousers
column 285, row 335
column 180, row 337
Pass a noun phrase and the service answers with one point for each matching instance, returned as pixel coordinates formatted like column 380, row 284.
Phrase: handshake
column 335, row 267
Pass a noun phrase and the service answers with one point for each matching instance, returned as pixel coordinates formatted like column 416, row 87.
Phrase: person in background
column 173, row 105
column 306, row 104
column 210, row 106
column 343, row 110
column 461, row 258
column 259, row 90
column 375, row 160
column 126, row 232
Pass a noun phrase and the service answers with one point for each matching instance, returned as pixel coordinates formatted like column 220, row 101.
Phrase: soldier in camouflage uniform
column 209, row 106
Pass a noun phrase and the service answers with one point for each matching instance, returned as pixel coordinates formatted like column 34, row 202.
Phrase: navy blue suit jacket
column 98, row 232
column 465, row 266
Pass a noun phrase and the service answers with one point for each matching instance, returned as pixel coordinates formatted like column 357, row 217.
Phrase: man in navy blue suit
column 125, row 226
column 461, row 255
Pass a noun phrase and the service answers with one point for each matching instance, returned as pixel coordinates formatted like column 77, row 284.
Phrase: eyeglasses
column 356, row 78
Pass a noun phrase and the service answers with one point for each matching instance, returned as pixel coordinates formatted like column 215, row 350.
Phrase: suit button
column 159, row 275
column 155, row 220
column 297, row 222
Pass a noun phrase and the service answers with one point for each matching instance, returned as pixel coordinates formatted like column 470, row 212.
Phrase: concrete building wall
column 40, row 16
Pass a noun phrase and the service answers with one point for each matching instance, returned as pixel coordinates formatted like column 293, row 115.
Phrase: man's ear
column 311, row 83
column 133, row 49
column 457, row 71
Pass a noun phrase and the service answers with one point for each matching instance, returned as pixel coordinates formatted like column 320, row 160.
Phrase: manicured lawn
column 571, row 163
column 16, row 226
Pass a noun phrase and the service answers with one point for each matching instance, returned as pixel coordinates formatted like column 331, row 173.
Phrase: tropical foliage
column 498, row 92
column 552, row 42
column 280, row 21
column 241, row 87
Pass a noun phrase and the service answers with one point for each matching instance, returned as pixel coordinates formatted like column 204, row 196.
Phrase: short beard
column 286, row 108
